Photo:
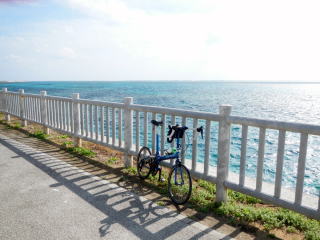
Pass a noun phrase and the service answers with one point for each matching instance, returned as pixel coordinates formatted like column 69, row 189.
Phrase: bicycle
column 179, row 180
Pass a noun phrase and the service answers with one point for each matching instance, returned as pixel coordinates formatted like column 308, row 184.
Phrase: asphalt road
column 42, row 197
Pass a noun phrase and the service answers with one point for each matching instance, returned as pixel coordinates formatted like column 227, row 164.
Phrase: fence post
column 6, row 104
column 128, row 131
column 76, row 118
column 44, row 112
column 2, row 99
column 22, row 110
column 223, row 153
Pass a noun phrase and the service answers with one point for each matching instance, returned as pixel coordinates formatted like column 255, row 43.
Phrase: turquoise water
column 275, row 101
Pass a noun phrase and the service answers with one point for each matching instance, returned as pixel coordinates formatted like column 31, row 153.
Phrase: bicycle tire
column 144, row 161
column 175, row 189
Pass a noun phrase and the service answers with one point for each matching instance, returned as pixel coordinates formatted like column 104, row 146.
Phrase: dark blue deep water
column 275, row 101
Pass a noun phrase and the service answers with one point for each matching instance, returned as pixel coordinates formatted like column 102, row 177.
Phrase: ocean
column 294, row 102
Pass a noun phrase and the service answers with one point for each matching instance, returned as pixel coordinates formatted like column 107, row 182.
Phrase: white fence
column 126, row 127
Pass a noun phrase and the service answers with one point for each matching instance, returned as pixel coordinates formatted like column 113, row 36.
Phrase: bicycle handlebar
column 199, row 129
column 176, row 128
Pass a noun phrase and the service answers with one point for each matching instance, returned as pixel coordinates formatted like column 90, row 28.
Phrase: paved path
column 42, row 197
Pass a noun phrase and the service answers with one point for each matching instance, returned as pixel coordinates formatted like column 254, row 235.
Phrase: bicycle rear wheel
column 144, row 162
column 179, row 184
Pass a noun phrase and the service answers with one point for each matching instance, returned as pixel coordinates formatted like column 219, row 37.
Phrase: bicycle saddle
column 156, row 123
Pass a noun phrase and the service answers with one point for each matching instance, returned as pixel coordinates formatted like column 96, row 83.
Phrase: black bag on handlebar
column 175, row 132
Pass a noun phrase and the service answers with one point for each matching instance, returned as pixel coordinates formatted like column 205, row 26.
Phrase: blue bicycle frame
column 159, row 158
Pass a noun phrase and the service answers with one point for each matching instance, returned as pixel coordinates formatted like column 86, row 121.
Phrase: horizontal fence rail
column 126, row 127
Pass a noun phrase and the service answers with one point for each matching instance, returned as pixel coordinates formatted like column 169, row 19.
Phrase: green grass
column 291, row 229
column 210, row 187
column 241, row 209
column 39, row 135
column 232, row 195
column 242, row 198
column 130, row 171
column 112, row 160
column 67, row 144
column 15, row 125
column 270, row 218
column 63, row 136
column 81, row 151
column 160, row 203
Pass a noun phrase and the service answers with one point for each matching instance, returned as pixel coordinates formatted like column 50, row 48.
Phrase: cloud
column 245, row 40
column 164, row 6
column 173, row 40
column 67, row 52
column 15, row 58
column 117, row 10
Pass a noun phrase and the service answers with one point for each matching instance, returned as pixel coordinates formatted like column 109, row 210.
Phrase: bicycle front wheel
column 179, row 184
column 144, row 162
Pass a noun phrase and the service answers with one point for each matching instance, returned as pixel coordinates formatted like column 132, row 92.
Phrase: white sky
column 161, row 40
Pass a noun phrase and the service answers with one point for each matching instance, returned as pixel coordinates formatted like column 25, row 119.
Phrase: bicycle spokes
column 178, row 176
column 144, row 162
column 180, row 184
